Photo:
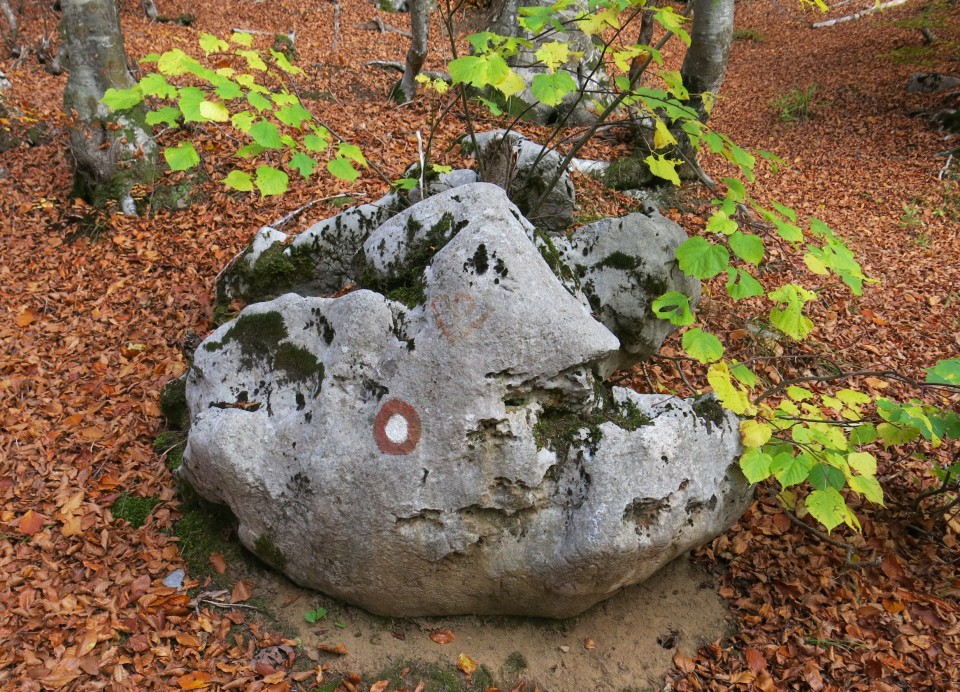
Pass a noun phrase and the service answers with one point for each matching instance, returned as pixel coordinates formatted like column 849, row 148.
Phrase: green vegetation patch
column 559, row 430
column 133, row 510
column 173, row 403
column 266, row 550
column 171, row 444
column 203, row 529
column 272, row 274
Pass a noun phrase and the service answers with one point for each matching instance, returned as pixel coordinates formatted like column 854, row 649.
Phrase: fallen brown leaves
column 93, row 331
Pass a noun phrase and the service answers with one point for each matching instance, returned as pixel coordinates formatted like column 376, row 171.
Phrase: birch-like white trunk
column 112, row 152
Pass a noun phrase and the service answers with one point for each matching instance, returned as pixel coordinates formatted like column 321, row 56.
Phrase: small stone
column 565, row 649
column 174, row 580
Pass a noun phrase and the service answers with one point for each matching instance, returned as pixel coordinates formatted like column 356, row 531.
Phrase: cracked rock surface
column 456, row 453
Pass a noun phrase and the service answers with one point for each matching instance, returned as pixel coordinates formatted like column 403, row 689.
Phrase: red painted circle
column 397, row 407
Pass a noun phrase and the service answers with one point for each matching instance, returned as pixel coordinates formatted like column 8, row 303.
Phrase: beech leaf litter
column 99, row 305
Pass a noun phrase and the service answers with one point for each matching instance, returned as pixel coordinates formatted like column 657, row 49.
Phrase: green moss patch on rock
column 628, row 173
column 203, row 529
column 274, row 272
column 266, row 550
column 171, row 444
column 559, row 430
column 173, row 403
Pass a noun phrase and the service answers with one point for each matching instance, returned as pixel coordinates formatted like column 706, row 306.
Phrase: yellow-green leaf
column 214, row 110
column 729, row 394
column 754, row 433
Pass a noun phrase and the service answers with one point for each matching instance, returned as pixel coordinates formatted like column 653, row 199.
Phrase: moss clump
column 266, row 550
column 558, row 430
column 297, row 363
column 171, row 443
column 619, row 260
column 551, row 255
column 515, row 664
column 709, row 410
column 404, row 279
column 203, row 529
column 628, row 173
column 132, row 509
column 173, row 403
column 282, row 43
column 272, row 274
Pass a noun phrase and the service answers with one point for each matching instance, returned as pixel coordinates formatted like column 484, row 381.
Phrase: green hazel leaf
column 122, row 99
column 469, row 69
column 754, row 433
column 304, row 164
column 175, row 62
column 293, row 115
column 225, row 88
column 491, row 106
column 714, row 141
column 945, row 372
column 271, row 181
column 243, row 120
column 827, row 506
column 351, row 151
column 214, row 110
column 702, row 346
column 254, row 61
column 250, row 150
column 343, row 169
column 315, row 142
column 745, row 375
column 239, row 180
column 258, row 101
column 863, row 463
column 405, row 183
column 673, row 306
column 701, row 258
column 791, row 470
column 284, row 63
column 747, row 247
column 665, row 168
column 788, row 231
column 741, row 285
column 755, row 465
column 892, row 435
column 167, row 115
column 788, row 316
column 735, row 190
column 869, row 487
column 211, row 44
column 823, row 476
column 863, row 435
column 189, row 102
column 242, row 39
column 481, row 40
column 719, row 222
column 551, row 88
column 553, row 54
column 730, row 396
column 265, row 134
column 181, row 157
column 154, row 84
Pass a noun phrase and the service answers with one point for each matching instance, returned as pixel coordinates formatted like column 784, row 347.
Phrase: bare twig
column 850, row 550
column 857, row 15
column 377, row 24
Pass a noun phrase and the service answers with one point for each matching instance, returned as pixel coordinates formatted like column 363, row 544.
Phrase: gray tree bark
column 112, row 152
column 417, row 54
column 706, row 61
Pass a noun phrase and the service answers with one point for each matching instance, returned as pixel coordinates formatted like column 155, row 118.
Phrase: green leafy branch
column 246, row 90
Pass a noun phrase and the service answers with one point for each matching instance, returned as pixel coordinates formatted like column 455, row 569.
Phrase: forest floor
column 95, row 325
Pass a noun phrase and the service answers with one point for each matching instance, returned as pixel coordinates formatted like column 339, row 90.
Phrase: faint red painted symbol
column 457, row 317
column 397, row 428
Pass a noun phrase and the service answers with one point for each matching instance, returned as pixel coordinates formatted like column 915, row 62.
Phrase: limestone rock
column 524, row 169
column 623, row 265
column 455, row 454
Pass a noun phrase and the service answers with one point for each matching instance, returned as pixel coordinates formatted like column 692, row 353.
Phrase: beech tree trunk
column 706, row 61
column 417, row 54
column 112, row 152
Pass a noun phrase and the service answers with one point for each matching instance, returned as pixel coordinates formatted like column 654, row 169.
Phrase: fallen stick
column 399, row 67
column 376, row 24
column 858, row 15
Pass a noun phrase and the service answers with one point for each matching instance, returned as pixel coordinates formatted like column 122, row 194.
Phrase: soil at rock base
column 634, row 634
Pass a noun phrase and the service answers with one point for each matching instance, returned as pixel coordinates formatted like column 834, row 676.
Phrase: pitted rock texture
column 456, row 454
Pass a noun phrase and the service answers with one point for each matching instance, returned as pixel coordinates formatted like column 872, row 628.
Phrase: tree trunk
column 706, row 61
column 150, row 9
column 417, row 54
column 112, row 152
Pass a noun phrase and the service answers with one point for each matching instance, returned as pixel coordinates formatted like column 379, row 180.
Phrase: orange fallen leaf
column 218, row 562
column 195, row 680
column 340, row 649
column 588, row 643
column 73, row 420
column 380, row 686
column 26, row 317
column 683, row 663
column 30, row 523
column 241, row 592
column 442, row 636
column 755, row 660
column 466, row 665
